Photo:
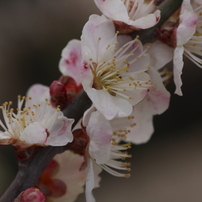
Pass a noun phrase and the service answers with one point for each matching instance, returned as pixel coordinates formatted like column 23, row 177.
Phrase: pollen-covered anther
column 127, row 146
column 127, row 175
column 127, row 163
column 134, row 124
column 113, row 141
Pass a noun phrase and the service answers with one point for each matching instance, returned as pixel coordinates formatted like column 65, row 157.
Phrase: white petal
column 60, row 132
column 86, row 77
column 187, row 25
column 92, row 180
column 113, row 9
column 146, row 21
column 87, row 114
column 158, row 98
column 109, row 106
column 34, row 133
column 100, row 132
column 178, row 65
column 97, row 34
column 143, row 118
column 38, row 93
column 160, row 54
column 70, row 62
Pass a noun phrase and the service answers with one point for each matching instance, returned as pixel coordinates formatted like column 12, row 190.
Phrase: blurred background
column 166, row 169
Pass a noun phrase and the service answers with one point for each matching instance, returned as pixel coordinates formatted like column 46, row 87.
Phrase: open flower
column 130, row 15
column 35, row 123
column 114, row 68
column 103, row 151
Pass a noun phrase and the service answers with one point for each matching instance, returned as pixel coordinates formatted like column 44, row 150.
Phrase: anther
column 127, row 175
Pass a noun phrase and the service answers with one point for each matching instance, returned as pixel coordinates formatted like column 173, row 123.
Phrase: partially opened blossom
column 114, row 68
column 130, row 15
column 63, row 180
column 103, row 151
column 34, row 124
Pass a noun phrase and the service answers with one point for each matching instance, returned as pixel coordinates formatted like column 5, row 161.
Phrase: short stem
column 29, row 171
column 77, row 108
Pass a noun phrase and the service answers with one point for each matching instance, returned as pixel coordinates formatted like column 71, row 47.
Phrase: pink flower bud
column 63, row 91
column 31, row 195
column 58, row 94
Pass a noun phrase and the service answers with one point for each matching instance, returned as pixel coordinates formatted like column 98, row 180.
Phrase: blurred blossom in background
column 166, row 169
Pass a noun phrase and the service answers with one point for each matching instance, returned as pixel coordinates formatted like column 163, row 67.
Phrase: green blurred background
column 166, row 169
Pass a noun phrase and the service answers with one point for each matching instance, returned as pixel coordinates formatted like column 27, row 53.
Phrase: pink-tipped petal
column 70, row 62
column 100, row 133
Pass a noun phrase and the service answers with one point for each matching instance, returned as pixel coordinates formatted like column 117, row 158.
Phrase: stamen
column 15, row 123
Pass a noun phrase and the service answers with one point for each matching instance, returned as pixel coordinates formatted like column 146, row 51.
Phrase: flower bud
column 58, row 94
column 31, row 195
column 63, row 91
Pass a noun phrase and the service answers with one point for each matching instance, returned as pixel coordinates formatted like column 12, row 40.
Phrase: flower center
column 112, row 72
column 15, row 123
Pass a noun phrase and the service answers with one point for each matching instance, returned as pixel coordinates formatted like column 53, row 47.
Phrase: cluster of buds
column 123, row 81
